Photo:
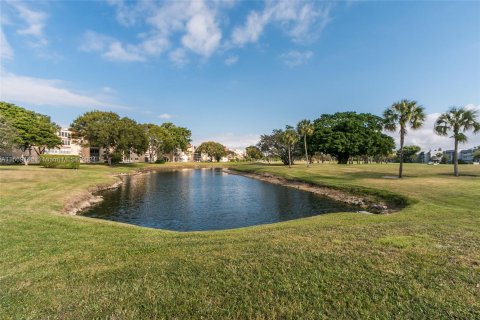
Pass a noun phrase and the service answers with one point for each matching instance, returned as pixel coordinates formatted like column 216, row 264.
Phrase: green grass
column 422, row 262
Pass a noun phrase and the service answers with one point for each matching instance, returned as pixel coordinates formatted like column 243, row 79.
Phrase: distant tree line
column 27, row 130
column 344, row 136
column 30, row 131
column 349, row 136
column 119, row 136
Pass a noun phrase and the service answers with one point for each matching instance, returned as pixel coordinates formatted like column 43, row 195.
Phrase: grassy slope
column 423, row 262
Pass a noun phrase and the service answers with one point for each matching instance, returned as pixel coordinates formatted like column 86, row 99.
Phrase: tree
column 409, row 153
column 159, row 140
column 476, row 155
column 344, row 135
column 289, row 138
column 110, row 132
column 305, row 129
column 457, row 121
column 402, row 114
column 131, row 137
column 444, row 159
column 34, row 131
column 253, row 153
column 181, row 138
column 268, row 145
column 97, row 129
column 379, row 147
column 214, row 150
column 8, row 135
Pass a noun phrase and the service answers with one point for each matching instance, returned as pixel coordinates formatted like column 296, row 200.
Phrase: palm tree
column 289, row 138
column 458, row 121
column 402, row 114
column 304, row 129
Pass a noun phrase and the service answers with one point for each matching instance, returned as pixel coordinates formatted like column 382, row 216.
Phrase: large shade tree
column 33, row 131
column 108, row 131
column 180, row 138
column 253, row 153
column 305, row 129
column 131, row 137
column 214, row 150
column 159, row 140
column 269, row 147
column 8, row 135
column 457, row 121
column 409, row 153
column 403, row 114
column 344, row 135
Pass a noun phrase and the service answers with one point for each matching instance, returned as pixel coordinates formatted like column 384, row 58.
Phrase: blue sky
column 232, row 70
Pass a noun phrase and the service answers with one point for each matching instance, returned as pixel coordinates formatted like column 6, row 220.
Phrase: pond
column 206, row 199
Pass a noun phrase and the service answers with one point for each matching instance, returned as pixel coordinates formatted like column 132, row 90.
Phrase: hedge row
column 59, row 161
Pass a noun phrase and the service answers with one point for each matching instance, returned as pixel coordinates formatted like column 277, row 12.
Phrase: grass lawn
column 422, row 262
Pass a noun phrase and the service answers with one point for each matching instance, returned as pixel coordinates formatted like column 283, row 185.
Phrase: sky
column 232, row 70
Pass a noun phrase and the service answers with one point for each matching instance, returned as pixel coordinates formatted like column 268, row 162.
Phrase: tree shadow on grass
column 461, row 174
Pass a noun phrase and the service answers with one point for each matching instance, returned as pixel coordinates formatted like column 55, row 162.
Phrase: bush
column 59, row 161
column 116, row 157
column 160, row 161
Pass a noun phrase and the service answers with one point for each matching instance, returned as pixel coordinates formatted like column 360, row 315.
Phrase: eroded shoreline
column 366, row 204
column 89, row 197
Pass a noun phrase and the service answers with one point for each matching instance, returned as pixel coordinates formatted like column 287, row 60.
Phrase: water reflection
column 206, row 199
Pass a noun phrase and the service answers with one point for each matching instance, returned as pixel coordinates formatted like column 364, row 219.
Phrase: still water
column 206, row 199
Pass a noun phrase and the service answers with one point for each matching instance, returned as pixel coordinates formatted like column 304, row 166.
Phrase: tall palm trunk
column 455, row 159
column 402, row 140
column 289, row 158
column 306, row 153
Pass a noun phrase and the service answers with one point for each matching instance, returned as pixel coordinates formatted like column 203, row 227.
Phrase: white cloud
column 231, row 60
column 195, row 21
column 203, row 35
column 426, row 138
column 196, row 26
column 116, row 51
column 154, row 45
column 110, row 48
column 231, row 140
column 38, row 91
column 34, row 20
column 6, row 51
column 108, row 89
column 179, row 57
column 302, row 21
column 165, row 116
column 296, row 58
column 93, row 41
column 126, row 14
column 252, row 29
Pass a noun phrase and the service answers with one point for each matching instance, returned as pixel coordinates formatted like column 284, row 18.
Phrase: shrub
column 117, row 157
column 60, row 161
column 160, row 161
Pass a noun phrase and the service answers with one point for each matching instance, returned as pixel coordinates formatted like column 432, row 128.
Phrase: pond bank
column 366, row 203
column 89, row 198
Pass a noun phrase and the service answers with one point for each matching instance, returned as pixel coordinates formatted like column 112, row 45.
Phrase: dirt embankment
column 89, row 198
column 366, row 204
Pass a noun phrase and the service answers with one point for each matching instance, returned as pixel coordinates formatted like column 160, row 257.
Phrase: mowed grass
column 422, row 262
